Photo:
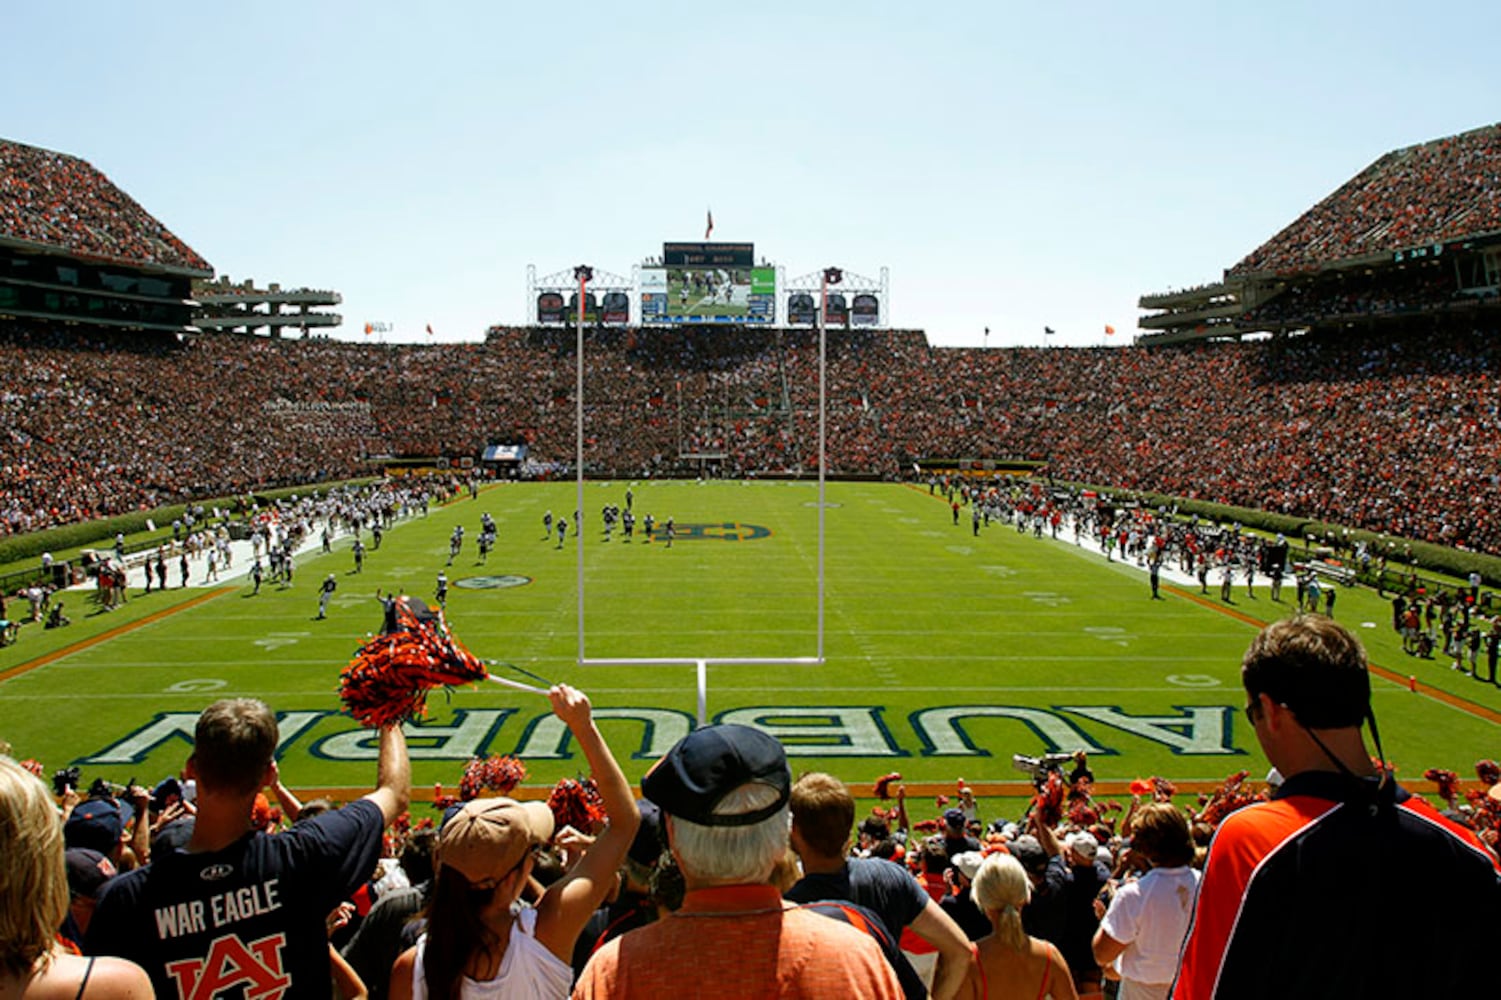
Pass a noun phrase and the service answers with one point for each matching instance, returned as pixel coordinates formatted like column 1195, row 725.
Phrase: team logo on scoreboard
column 492, row 582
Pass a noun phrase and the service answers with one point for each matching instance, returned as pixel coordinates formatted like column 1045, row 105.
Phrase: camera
column 102, row 789
column 1038, row 767
column 65, row 779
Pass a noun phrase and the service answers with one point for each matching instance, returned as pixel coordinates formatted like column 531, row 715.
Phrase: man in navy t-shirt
column 241, row 913
column 823, row 817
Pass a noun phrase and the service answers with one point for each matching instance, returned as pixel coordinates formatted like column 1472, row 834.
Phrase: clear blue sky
column 1014, row 165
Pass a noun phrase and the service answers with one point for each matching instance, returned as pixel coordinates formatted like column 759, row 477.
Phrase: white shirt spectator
column 1151, row 916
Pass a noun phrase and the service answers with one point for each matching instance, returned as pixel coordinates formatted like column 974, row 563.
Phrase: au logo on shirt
column 230, row 964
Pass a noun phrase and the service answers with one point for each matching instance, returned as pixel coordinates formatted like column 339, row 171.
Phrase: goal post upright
column 583, row 273
column 831, row 276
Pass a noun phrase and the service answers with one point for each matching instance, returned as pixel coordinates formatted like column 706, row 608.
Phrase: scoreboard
column 708, row 283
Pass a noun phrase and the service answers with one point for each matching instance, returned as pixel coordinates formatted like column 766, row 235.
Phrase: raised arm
column 347, row 983
column 291, row 805
column 1045, row 835
column 393, row 776
column 569, row 903
column 140, row 840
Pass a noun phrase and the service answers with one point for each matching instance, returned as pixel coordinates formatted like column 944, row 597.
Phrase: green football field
column 945, row 652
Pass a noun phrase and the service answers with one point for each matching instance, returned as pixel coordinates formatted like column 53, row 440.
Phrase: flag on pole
column 1048, row 331
column 709, row 225
column 369, row 328
column 1109, row 330
column 429, row 329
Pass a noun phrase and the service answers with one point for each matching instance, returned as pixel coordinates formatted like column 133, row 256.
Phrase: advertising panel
column 837, row 311
column 549, row 308
column 653, row 285
column 802, row 310
column 591, row 308
column 616, row 308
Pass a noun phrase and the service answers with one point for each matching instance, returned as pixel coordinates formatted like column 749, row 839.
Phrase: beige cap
column 488, row 838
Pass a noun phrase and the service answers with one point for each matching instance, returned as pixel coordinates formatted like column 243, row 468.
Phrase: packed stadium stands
column 61, row 201
column 1400, row 434
column 1384, row 416
column 1430, row 193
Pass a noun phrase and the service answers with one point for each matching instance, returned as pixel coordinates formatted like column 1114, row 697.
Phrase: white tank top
column 528, row 971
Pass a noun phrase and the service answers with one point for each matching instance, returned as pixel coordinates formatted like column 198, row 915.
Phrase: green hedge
column 63, row 541
column 1432, row 558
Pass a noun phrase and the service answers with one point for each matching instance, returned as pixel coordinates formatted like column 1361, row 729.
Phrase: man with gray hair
column 724, row 792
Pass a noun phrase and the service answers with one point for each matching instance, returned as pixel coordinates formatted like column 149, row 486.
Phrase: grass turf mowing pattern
column 1025, row 640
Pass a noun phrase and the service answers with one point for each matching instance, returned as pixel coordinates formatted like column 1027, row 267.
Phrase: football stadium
column 710, row 488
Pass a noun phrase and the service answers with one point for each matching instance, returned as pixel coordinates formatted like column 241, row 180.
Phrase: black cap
column 173, row 837
column 646, row 848
column 88, row 870
column 710, row 763
column 164, row 790
column 96, row 824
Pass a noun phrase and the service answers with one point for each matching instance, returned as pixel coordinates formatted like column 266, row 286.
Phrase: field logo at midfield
column 493, row 582
column 729, row 531
column 805, row 731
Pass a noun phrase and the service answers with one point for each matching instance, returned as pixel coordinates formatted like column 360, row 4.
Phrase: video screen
column 708, row 283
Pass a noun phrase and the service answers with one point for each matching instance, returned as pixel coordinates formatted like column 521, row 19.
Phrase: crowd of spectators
column 729, row 878
column 64, row 202
column 1426, row 194
column 1396, row 432
column 1087, row 866
column 1359, row 297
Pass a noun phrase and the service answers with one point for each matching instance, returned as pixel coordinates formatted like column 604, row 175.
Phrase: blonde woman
column 34, row 902
column 1010, row 965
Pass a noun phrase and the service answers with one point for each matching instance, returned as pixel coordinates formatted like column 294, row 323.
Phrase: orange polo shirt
column 739, row 941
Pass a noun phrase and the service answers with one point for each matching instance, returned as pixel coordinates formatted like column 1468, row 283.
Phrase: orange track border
column 916, row 790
